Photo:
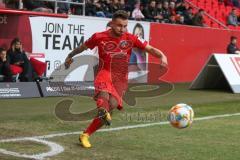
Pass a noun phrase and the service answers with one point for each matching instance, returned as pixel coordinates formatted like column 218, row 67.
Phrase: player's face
column 119, row 26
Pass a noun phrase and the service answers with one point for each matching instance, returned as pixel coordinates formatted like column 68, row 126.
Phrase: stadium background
column 187, row 49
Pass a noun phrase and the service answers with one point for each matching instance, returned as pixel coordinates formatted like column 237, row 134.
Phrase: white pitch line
column 55, row 149
column 115, row 129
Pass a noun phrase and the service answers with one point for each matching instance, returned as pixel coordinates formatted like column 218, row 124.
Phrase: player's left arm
column 156, row 53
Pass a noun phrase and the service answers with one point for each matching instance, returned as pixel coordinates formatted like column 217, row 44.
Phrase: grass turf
column 214, row 139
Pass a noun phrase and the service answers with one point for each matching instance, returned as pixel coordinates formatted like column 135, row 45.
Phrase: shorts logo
column 109, row 46
column 124, row 45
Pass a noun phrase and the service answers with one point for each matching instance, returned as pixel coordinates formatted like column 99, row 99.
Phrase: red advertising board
column 15, row 26
column 187, row 48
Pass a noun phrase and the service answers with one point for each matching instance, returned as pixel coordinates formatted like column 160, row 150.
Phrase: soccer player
column 114, row 48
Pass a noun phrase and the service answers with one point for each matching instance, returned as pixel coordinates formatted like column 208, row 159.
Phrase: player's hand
column 68, row 62
column 164, row 61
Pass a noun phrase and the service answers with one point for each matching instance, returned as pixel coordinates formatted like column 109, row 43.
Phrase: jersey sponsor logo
column 109, row 46
column 118, row 55
column 124, row 45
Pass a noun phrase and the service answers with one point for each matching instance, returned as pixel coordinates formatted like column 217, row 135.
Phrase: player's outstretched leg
column 105, row 116
column 102, row 118
column 84, row 137
column 104, row 108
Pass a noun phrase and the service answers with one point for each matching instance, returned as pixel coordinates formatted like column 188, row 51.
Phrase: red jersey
column 114, row 54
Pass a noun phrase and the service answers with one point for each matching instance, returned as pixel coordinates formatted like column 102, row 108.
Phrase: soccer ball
column 181, row 116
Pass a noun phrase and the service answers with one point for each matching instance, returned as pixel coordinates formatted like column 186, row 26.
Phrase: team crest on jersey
column 124, row 45
column 109, row 46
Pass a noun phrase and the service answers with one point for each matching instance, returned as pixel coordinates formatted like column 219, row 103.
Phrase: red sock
column 95, row 125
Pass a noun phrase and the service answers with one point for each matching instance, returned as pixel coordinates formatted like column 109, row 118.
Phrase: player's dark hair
column 120, row 14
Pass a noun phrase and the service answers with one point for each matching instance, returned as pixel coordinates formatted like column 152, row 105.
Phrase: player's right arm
column 69, row 60
column 90, row 43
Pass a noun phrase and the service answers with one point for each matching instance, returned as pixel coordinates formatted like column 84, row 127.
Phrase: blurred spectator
column 181, row 7
column 172, row 8
column 5, row 66
column 179, row 1
column 114, row 6
column 122, row 5
column 90, row 8
column 188, row 16
column 232, row 18
column 78, row 9
column 159, row 17
column 163, row 11
column 198, row 18
column 235, row 3
column 144, row 2
column 63, row 8
column 131, row 3
column 166, row 12
column 17, row 56
column 181, row 20
column 172, row 19
column 13, row 4
column 2, row 5
column 37, row 6
column 106, row 5
column 99, row 9
column 137, row 13
column 150, row 11
column 232, row 46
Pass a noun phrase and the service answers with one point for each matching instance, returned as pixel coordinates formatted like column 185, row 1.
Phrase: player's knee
column 113, row 103
column 103, row 102
column 103, row 94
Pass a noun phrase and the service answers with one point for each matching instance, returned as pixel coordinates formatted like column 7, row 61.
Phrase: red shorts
column 104, row 82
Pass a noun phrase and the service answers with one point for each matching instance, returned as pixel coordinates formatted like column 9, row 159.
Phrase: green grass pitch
column 215, row 139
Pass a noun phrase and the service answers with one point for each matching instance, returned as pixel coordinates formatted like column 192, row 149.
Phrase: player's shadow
column 62, row 112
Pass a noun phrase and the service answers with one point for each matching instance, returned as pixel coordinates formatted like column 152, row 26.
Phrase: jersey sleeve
column 92, row 41
column 139, row 43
